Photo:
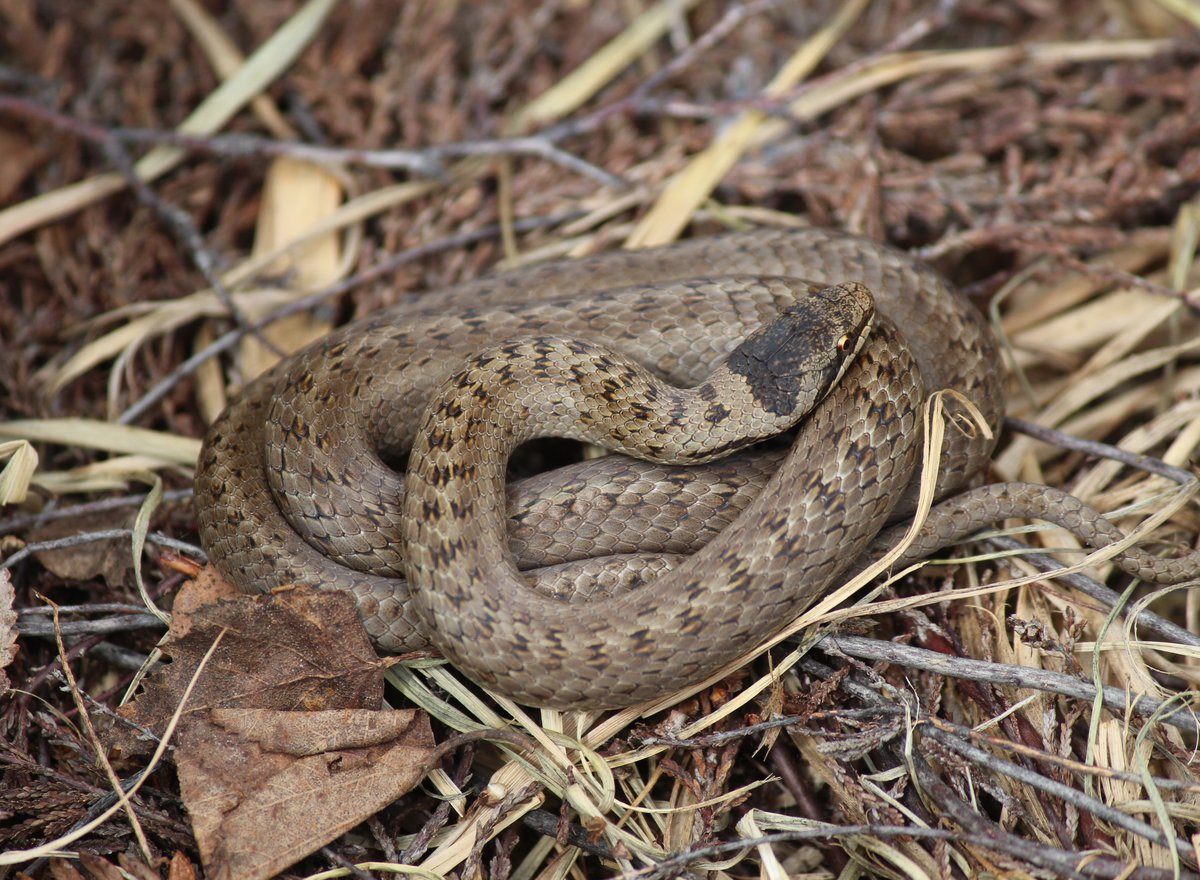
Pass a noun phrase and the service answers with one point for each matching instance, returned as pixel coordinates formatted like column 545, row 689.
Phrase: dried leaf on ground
column 265, row 788
column 206, row 588
column 96, row 867
column 110, row 559
column 62, row 869
column 282, row 746
column 302, row 650
column 181, row 868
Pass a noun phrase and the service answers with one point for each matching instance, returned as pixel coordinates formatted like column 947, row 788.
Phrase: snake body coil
column 293, row 484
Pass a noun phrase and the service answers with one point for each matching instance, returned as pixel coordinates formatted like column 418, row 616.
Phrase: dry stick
column 104, row 797
column 526, row 45
column 102, row 627
column 230, row 339
column 966, row 734
column 34, row 520
column 104, row 535
column 962, row 733
column 1066, row 793
column 1065, row 863
column 996, row 673
column 344, row 863
column 637, row 103
column 181, row 226
column 1096, row 449
column 81, row 828
column 100, row 755
column 628, row 105
column 1110, row 275
column 1006, row 674
column 94, row 608
column 117, row 657
column 421, row 841
column 1058, row 860
column 1148, row 620
column 1062, row 862
column 548, row 825
column 429, row 162
column 104, row 800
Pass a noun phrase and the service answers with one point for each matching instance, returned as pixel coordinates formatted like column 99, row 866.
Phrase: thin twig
column 1066, row 793
column 1070, row 864
column 230, row 339
column 547, row 824
column 429, row 162
column 1052, row 859
column 15, row 524
column 1152, row 623
column 93, row 739
column 102, row 627
column 1100, row 450
column 180, row 225
column 1077, row 767
column 95, row 608
column 639, row 103
column 104, row 535
column 729, row 22
column 1009, row 674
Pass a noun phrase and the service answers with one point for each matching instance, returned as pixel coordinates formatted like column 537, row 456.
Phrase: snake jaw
column 790, row 364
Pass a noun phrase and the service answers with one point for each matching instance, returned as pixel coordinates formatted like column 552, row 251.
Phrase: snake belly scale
column 294, row 485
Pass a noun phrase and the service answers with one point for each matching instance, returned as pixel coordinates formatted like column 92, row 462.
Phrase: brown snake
column 294, row 485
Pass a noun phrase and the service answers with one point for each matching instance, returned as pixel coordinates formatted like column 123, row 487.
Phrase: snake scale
column 297, row 480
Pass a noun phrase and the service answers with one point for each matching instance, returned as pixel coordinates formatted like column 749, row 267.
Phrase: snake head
column 792, row 362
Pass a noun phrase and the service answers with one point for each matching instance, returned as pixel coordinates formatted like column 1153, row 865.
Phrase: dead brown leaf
column 206, row 588
column 135, row 868
column 181, row 868
column 97, row 867
column 299, row 650
column 265, row 788
column 282, row 746
column 63, row 869
column 110, row 559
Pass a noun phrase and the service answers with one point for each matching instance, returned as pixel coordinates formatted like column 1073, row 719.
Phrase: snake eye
column 843, row 344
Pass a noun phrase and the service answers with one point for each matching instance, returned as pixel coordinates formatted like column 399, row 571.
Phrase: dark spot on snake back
column 716, row 413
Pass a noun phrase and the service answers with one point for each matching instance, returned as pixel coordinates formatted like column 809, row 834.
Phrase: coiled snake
column 296, row 485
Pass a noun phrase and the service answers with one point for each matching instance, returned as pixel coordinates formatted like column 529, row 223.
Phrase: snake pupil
column 843, row 344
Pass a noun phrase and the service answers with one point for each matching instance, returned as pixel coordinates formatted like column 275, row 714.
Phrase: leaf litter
column 1043, row 155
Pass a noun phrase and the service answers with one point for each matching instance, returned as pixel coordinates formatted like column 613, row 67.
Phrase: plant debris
column 161, row 200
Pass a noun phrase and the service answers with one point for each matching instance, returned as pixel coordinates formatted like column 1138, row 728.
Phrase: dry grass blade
column 581, row 84
column 687, row 189
column 55, row 847
column 265, row 65
column 105, row 436
column 227, row 60
column 20, row 462
column 978, row 713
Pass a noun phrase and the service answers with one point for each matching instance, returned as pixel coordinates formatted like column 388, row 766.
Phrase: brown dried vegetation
column 1045, row 156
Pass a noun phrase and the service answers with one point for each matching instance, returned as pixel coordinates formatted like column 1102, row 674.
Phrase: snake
column 374, row 461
